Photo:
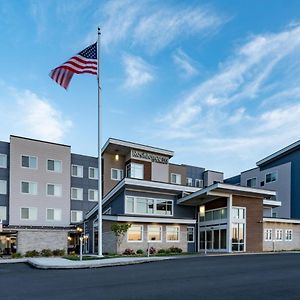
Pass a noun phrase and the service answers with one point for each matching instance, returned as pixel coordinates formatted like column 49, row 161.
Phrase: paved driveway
column 228, row 277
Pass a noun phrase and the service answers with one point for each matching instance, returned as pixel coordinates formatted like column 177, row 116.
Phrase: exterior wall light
column 117, row 157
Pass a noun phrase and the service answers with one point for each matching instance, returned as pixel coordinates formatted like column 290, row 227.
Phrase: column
column 229, row 223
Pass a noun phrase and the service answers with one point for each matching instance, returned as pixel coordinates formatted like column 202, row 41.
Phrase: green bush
column 139, row 251
column 58, row 252
column 175, row 250
column 16, row 255
column 32, row 253
column 46, row 252
column 167, row 251
column 161, row 251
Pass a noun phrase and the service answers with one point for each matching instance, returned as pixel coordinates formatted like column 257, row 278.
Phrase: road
column 274, row 276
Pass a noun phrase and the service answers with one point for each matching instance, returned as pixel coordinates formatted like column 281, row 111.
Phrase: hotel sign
column 149, row 156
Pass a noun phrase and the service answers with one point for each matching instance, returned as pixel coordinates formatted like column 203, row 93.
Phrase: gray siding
column 4, row 175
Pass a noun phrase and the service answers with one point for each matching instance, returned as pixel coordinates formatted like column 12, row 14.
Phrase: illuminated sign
column 149, row 156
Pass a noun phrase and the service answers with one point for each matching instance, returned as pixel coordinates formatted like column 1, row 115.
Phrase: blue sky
column 218, row 82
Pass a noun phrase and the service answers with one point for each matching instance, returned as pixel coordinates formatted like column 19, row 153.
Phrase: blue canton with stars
column 89, row 52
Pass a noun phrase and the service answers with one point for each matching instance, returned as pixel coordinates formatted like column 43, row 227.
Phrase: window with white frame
column 149, row 206
column 77, row 171
column 190, row 234
column 278, row 235
column 238, row 213
column 3, row 213
column 93, row 195
column 116, row 174
column 93, row 173
column 288, row 235
column 54, row 165
column 29, row 162
column 270, row 177
column 189, row 181
column 76, row 193
column 76, row 216
column 251, row 182
column 135, row 233
column 175, row 178
column 134, row 170
column 29, row 187
column 154, row 233
column 3, row 160
column 29, row 213
column 172, row 233
column 53, row 214
column 3, row 187
column 199, row 183
column 268, row 234
column 54, row 189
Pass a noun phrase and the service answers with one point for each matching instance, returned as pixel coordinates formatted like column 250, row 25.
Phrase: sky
column 218, row 82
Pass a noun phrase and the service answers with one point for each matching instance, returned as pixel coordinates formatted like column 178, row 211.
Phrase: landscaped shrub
column 32, row 253
column 175, row 250
column 46, row 252
column 139, row 251
column 167, row 251
column 152, row 250
column 16, row 255
column 161, row 251
column 58, row 252
column 128, row 251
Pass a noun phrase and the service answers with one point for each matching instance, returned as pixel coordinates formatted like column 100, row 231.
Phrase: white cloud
column 185, row 64
column 138, row 72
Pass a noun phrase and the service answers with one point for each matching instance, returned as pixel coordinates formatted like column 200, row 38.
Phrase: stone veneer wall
column 40, row 239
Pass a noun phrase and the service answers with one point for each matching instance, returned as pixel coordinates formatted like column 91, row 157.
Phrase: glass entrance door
column 214, row 239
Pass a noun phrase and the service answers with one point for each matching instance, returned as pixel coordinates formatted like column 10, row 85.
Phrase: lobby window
column 3, row 160
column 77, row 171
column 268, row 234
column 238, row 237
column 189, row 181
column 134, row 170
column 199, row 183
column 54, row 190
column 172, row 233
column 3, row 213
column 3, row 187
column 54, row 165
column 270, row 177
column 238, row 213
column 93, row 173
column 154, row 233
column 214, row 214
column 29, row 213
column 251, row 182
column 278, row 235
column 29, row 162
column 29, row 187
column 289, row 235
column 93, row 195
column 76, row 193
column 116, row 174
column 135, row 233
column 190, row 234
column 175, row 178
column 53, row 214
column 76, row 216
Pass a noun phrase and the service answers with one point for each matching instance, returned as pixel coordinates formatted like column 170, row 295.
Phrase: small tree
column 119, row 229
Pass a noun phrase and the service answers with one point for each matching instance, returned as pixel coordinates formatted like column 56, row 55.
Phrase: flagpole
column 99, row 149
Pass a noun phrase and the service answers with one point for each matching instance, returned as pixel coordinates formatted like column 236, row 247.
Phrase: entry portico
column 230, row 218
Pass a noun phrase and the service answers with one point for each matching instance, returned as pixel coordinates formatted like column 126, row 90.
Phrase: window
column 93, row 173
column 54, row 165
column 189, row 181
column 76, row 193
column 238, row 213
column 29, row 162
column 29, row 187
column 134, row 170
column 149, row 206
column 93, row 195
column 54, row 190
column 199, row 183
column 3, row 160
column 190, row 234
column 238, row 237
column 3, row 213
column 53, row 214
column 154, row 233
column 251, row 182
column 270, row 177
column 215, row 214
column 116, row 174
column 289, row 235
column 29, row 213
column 278, row 235
column 76, row 216
column 135, row 233
column 77, row 171
column 175, row 178
column 3, row 187
column 172, row 233
column 268, row 234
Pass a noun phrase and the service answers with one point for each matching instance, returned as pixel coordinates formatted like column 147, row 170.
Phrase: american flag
column 83, row 62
